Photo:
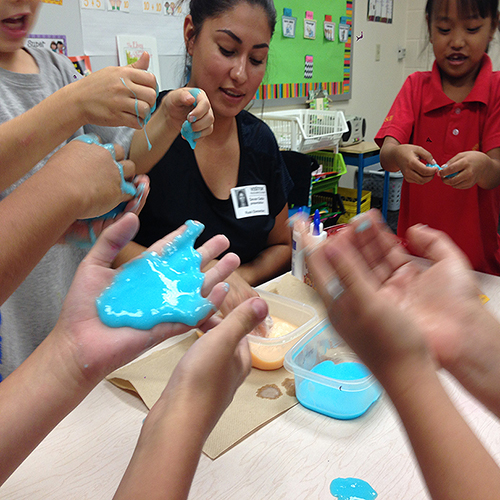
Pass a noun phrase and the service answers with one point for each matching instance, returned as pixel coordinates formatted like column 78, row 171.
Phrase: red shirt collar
column 436, row 98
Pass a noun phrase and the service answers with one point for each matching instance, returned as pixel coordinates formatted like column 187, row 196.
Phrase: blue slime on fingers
column 187, row 127
column 157, row 289
column 441, row 168
column 148, row 116
column 350, row 488
column 126, row 187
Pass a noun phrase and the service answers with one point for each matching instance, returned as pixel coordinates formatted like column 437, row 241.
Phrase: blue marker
column 317, row 226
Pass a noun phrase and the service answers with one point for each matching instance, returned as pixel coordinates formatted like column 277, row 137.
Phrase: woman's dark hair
column 201, row 10
column 483, row 8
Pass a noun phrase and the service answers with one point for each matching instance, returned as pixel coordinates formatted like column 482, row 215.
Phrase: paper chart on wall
column 99, row 28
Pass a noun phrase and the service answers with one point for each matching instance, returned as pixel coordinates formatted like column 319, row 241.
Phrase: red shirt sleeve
column 400, row 120
column 491, row 128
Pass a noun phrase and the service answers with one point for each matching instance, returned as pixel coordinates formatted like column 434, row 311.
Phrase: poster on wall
column 56, row 43
column 131, row 47
column 380, row 11
column 165, row 27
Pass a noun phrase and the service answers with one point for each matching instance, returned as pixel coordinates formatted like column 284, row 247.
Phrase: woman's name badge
column 250, row 201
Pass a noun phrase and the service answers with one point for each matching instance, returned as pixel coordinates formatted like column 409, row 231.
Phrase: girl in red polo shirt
column 443, row 133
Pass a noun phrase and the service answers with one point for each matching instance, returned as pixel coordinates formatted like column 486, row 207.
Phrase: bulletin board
column 331, row 60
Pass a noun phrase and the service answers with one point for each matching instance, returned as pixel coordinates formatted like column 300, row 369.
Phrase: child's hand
column 239, row 291
column 83, row 233
column 179, row 105
column 91, row 174
column 116, row 96
column 208, row 375
column 410, row 160
column 468, row 168
column 91, row 349
column 390, row 309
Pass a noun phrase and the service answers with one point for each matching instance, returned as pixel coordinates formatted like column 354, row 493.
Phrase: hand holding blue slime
column 187, row 128
column 157, row 289
column 432, row 165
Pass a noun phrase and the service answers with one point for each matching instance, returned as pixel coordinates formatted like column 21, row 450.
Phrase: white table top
column 296, row 456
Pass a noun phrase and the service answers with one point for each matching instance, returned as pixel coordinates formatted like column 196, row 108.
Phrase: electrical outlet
column 401, row 53
column 377, row 52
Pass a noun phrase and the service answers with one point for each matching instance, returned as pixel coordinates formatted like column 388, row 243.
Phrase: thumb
column 112, row 240
column 142, row 63
column 241, row 321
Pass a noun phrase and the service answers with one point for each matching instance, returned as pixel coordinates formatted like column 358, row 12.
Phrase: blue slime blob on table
column 187, row 128
column 350, row 488
column 157, row 289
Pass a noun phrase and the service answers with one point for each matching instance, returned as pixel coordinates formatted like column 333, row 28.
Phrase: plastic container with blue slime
column 329, row 377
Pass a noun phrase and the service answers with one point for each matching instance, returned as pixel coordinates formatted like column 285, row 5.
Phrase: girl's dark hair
column 201, row 10
column 483, row 8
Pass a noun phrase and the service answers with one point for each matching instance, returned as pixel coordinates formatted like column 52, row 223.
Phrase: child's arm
column 396, row 316
column 78, row 181
column 166, row 123
column 200, row 389
column 473, row 167
column 81, row 350
column 100, row 99
column 411, row 160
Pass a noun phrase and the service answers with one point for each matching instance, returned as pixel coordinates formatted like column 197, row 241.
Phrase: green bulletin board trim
column 332, row 59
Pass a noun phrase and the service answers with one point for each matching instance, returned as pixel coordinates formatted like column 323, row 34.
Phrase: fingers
column 119, row 152
column 112, row 240
column 141, row 182
column 434, row 245
column 379, row 247
column 220, row 272
column 241, row 321
column 213, row 248
column 424, row 154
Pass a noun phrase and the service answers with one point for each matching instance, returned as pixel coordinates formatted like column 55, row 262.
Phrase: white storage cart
column 306, row 130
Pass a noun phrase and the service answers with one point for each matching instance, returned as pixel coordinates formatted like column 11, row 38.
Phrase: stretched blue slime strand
column 158, row 288
column 148, row 116
column 350, row 488
column 187, row 127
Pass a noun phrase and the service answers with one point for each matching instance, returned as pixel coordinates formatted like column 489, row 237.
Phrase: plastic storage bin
column 306, row 130
column 329, row 377
column 350, row 201
column 269, row 353
column 324, row 188
column 373, row 180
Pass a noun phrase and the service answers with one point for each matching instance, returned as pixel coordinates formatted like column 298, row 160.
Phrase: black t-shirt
column 178, row 192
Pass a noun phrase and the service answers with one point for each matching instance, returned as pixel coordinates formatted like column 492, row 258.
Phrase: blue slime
column 350, row 488
column 187, row 128
column 345, row 393
column 157, row 289
column 148, row 116
column 432, row 165
column 126, row 187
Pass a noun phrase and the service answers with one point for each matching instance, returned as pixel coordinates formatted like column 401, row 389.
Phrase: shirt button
column 455, row 131
column 458, row 111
